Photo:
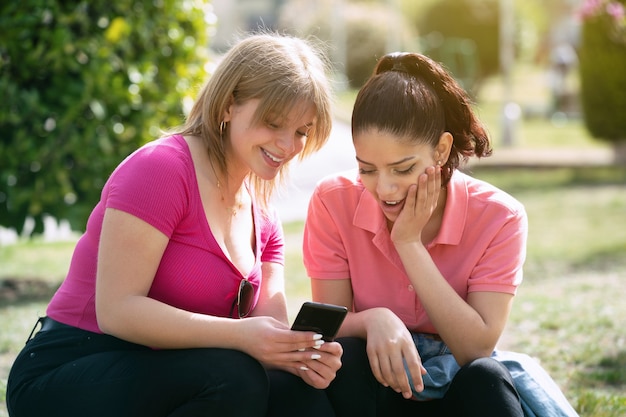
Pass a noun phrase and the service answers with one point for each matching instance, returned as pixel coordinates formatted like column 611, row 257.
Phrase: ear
column 228, row 113
column 443, row 148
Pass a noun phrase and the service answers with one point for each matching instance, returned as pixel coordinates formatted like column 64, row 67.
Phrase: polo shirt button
column 410, row 288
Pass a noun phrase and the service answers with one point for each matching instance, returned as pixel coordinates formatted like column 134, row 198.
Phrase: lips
column 272, row 159
column 392, row 207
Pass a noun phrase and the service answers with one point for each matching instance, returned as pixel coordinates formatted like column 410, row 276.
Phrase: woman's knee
column 483, row 387
column 355, row 390
column 486, row 370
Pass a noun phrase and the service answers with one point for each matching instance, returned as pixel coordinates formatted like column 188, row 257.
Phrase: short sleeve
column 500, row 267
column 153, row 184
column 324, row 253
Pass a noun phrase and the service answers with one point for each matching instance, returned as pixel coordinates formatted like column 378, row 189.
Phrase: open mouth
column 392, row 207
column 272, row 157
column 392, row 203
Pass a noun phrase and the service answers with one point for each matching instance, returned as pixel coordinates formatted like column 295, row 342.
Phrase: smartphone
column 320, row 318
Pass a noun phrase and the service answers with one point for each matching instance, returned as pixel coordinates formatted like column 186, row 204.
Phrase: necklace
column 234, row 209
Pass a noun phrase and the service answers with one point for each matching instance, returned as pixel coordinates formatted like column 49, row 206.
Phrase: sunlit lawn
column 569, row 312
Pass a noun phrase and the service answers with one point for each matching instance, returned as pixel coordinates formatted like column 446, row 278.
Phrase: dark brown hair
column 413, row 97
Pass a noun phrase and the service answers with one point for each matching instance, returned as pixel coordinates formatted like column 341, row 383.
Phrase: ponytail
column 412, row 96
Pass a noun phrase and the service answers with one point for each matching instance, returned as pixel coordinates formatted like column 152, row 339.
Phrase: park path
column 337, row 155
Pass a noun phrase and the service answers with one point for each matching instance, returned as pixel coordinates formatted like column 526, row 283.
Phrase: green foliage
column 369, row 30
column 601, row 405
column 463, row 34
column 366, row 42
column 603, row 78
column 84, row 84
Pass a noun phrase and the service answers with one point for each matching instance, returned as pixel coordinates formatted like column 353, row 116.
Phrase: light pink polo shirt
column 481, row 245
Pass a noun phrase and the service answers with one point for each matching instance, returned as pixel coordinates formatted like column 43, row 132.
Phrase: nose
column 289, row 143
column 386, row 187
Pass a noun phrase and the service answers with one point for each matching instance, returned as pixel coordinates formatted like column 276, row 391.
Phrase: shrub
column 464, row 36
column 366, row 29
column 84, row 84
column 603, row 69
column 366, row 42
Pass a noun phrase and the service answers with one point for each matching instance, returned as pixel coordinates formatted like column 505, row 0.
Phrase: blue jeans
column 540, row 395
column 441, row 366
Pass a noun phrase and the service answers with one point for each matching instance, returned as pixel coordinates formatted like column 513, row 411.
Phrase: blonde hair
column 280, row 71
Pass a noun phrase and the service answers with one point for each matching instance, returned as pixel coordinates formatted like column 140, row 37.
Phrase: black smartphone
column 320, row 318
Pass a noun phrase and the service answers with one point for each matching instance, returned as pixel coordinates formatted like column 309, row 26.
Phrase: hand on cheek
column 421, row 202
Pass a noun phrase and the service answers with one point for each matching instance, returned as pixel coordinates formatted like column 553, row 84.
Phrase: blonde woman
column 174, row 302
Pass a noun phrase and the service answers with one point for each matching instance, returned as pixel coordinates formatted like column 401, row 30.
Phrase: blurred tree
column 84, row 83
column 357, row 33
column 463, row 35
column 603, row 69
column 366, row 40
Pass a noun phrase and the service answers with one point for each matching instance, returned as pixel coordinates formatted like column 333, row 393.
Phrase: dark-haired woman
column 427, row 258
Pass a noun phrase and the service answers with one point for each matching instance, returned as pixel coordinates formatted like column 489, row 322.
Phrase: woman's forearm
column 460, row 325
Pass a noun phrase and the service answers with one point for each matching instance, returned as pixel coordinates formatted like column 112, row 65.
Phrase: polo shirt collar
column 368, row 215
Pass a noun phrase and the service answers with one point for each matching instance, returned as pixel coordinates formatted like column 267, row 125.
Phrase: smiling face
column 389, row 164
column 264, row 147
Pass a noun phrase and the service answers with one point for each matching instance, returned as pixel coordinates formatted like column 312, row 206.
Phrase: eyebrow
column 403, row 160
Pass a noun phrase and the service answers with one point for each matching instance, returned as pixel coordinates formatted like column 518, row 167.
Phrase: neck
column 234, row 195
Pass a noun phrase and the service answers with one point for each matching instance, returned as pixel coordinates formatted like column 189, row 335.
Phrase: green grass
column 38, row 259
column 574, row 216
column 569, row 311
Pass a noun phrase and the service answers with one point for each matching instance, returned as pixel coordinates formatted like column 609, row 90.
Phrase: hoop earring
column 222, row 128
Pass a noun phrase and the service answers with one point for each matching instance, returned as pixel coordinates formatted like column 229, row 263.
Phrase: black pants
column 71, row 372
column 482, row 388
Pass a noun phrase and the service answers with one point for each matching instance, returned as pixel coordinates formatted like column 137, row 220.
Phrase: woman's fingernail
column 319, row 343
column 317, row 336
column 315, row 356
column 304, row 368
column 301, row 350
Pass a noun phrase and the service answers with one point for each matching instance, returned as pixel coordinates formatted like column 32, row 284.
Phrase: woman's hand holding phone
column 321, row 362
column 302, row 353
